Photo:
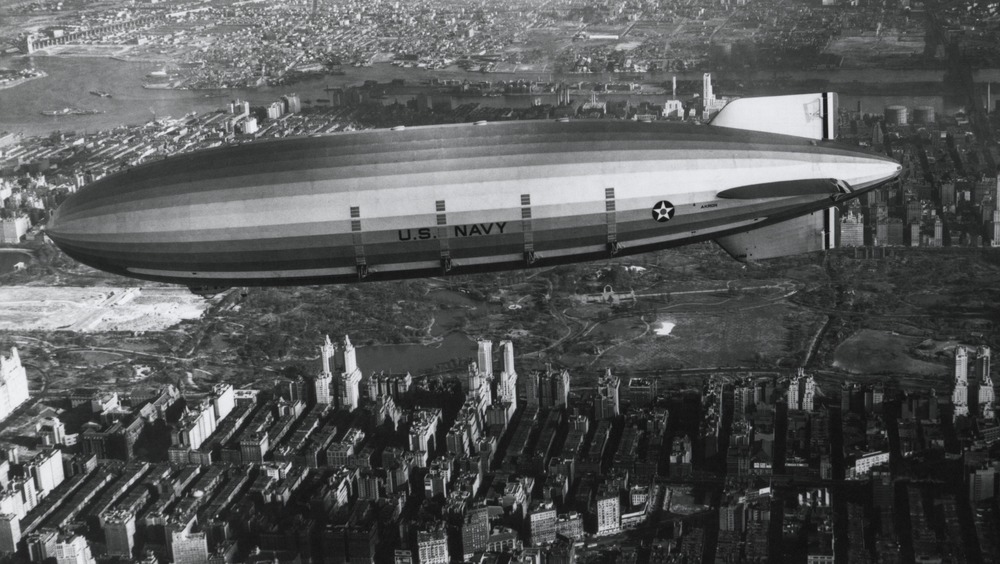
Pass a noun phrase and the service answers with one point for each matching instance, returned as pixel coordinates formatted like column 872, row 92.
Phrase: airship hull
column 387, row 204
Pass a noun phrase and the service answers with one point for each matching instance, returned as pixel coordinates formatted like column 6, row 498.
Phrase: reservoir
column 453, row 352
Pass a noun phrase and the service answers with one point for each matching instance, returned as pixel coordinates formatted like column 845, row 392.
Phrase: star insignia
column 663, row 211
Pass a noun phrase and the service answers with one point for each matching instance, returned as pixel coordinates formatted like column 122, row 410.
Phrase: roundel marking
column 663, row 211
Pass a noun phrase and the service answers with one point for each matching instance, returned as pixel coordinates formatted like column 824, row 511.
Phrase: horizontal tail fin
column 813, row 116
column 805, row 234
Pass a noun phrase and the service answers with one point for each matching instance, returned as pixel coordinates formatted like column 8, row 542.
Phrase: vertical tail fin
column 813, row 116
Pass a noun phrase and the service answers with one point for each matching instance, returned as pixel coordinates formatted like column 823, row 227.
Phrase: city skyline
column 669, row 406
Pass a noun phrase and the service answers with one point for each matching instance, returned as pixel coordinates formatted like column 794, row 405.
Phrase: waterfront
column 76, row 77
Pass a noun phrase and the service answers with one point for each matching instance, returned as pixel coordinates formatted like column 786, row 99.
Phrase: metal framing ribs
column 527, row 226
column 442, row 227
column 357, row 236
column 614, row 247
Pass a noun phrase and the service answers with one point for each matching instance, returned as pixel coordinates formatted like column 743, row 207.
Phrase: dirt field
column 96, row 309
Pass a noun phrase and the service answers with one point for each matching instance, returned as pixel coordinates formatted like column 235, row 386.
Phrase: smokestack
column 675, row 87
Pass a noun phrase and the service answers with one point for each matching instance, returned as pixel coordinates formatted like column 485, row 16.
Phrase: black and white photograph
column 499, row 281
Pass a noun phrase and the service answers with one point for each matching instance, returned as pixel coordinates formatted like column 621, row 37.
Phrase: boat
column 101, row 93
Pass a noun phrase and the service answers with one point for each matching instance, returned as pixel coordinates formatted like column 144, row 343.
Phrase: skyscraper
column 961, row 363
column 960, row 395
column 995, row 241
column 809, row 390
column 982, row 484
column 292, row 104
column 548, row 389
column 13, row 383
column 10, row 533
column 606, row 406
column 119, row 533
column 485, row 358
column 608, row 512
column 986, row 393
column 475, row 531
column 507, row 386
column 982, row 362
column 349, row 380
column 46, row 468
column 324, row 380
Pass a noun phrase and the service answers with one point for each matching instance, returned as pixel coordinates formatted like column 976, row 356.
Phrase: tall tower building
column 982, row 362
column 995, row 241
column 960, row 395
column 478, row 389
column 548, row 389
column 608, row 512
column 10, row 533
column 348, row 384
column 793, row 394
column 707, row 95
column 507, row 388
column 809, row 393
column 475, row 531
column 13, row 383
column 119, row 533
column 532, row 388
column 324, row 380
column 46, row 469
column 961, row 363
column 986, row 391
column 485, row 358
column 982, row 484
column 606, row 406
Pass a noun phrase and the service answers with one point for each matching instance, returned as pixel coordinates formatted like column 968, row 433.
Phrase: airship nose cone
column 67, row 228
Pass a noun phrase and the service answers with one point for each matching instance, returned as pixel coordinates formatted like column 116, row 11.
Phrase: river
column 71, row 79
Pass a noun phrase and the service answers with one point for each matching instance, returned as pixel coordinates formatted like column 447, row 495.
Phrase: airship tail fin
column 803, row 115
column 805, row 234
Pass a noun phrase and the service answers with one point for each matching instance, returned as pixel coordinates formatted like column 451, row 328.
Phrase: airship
column 762, row 179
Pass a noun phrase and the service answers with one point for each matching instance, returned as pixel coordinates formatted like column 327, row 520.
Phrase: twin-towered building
column 981, row 372
column 342, row 391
